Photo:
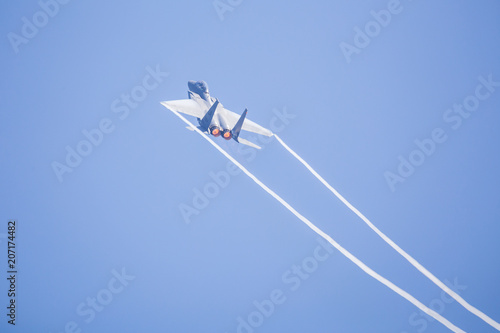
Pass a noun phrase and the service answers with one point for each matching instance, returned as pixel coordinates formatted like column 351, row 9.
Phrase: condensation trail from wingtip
column 389, row 241
column 346, row 253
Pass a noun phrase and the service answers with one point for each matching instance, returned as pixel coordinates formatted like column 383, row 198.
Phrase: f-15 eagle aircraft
column 212, row 117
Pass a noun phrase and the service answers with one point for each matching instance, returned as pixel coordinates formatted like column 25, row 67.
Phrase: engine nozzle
column 226, row 134
column 215, row 131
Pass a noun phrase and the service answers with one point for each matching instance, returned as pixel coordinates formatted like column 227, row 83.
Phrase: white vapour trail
column 346, row 253
column 389, row 241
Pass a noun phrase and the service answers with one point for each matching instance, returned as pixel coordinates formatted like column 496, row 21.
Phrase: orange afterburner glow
column 215, row 131
column 227, row 135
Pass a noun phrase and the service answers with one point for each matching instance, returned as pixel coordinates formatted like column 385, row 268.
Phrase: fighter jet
column 213, row 118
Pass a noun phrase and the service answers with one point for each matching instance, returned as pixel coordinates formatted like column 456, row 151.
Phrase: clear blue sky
column 357, row 115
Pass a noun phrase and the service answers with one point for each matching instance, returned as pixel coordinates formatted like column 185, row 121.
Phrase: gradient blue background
column 120, row 207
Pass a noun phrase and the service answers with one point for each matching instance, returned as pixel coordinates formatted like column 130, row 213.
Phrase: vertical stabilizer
column 207, row 118
column 237, row 128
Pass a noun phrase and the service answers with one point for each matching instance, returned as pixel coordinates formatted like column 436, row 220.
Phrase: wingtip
column 165, row 104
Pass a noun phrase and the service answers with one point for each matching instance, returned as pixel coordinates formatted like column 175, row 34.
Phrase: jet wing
column 248, row 125
column 195, row 108
column 186, row 106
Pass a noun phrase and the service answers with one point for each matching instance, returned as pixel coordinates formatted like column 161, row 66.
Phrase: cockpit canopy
column 203, row 86
column 199, row 87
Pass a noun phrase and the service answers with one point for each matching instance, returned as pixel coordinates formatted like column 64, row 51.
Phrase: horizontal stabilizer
column 248, row 143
